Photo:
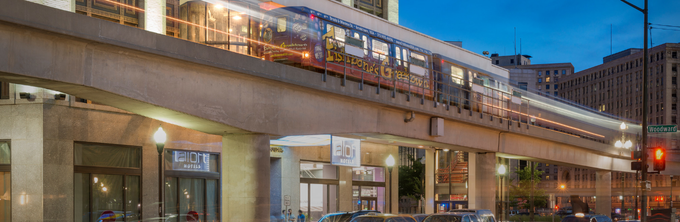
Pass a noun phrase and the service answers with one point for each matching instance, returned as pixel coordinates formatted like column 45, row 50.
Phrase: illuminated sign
column 190, row 161
column 345, row 151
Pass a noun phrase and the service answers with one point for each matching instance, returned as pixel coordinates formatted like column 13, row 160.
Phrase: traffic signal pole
column 645, row 98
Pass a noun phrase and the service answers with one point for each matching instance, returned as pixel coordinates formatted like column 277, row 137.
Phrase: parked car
column 345, row 216
column 586, row 218
column 482, row 215
column 419, row 217
column 452, row 217
column 373, row 217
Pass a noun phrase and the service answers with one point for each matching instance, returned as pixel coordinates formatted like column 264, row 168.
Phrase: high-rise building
column 615, row 86
column 387, row 9
column 540, row 78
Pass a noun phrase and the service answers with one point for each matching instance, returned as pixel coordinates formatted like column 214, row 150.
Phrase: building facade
column 542, row 79
column 510, row 60
column 615, row 86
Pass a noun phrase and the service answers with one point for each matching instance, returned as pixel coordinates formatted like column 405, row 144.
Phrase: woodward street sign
column 662, row 129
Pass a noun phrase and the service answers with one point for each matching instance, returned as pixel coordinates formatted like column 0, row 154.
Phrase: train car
column 308, row 38
column 470, row 88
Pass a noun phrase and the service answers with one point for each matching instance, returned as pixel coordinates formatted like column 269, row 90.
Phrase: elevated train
column 310, row 39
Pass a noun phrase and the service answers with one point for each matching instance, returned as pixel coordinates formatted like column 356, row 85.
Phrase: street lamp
column 390, row 163
column 620, row 143
column 501, row 173
column 160, row 138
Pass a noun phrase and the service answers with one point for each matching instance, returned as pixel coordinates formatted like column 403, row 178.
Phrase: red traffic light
column 659, row 155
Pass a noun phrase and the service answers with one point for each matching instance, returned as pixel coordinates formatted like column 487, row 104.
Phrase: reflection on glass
column 376, row 174
column 213, row 201
column 191, row 198
column 5, row 204
column 4, row 153
column 107, row 197
column 81, row 187
column 106, row 155
column 304, row 197
column 318, row 170
column 171, row 199
column 134, row 203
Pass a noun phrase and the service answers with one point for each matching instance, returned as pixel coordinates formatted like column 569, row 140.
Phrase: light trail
column 205, row 27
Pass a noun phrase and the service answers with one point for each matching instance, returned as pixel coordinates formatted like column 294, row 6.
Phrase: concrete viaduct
column 247, row 100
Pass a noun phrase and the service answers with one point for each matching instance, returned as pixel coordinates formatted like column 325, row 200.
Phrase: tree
column 520, row 194
column 411, row 179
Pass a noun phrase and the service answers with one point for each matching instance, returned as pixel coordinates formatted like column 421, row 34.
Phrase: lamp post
column 390, row 163
column 160, row 138
column 501, row 173
column 645, row 71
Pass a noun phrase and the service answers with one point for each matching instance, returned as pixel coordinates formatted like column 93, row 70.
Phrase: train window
column 281, row 24
column 339, row 32
column 398, row 54
column 365, row 44
column 380, row 49
column 418, row 59
column 404, row 57
column 456, row 74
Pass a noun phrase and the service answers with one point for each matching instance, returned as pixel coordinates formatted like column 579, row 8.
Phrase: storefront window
column 376, row 174
column 318, row 170
column 451, row 185
column 107, row 182
column 5, row 204
column 318, row 189
column 368, row 198
column 191, row 181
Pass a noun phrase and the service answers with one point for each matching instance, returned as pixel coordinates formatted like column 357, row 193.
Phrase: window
column 523, row 85
column 512, row 61
column 398, row 54
column 555, row 93
column 5, row 183
column 547, row 73
column 107, row 179
column 540, row 80
column 418, row 59
column 547, row 79
column 555, row 72
column 318, row 180
column 374, row 7
column 564, row 72
column 281, row 24
column 339, row 32
column 192, row 184
column 380, row 49
column 555, row 85
column 674, row 55
column 497, row 61
column 547, row 86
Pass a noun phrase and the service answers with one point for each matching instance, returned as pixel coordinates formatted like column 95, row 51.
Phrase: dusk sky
column 575, row 31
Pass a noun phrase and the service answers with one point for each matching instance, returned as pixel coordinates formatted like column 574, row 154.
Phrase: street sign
column 662, row 129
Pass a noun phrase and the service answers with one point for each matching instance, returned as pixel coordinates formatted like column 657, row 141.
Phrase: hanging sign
column 345, row 151
column 191, row 161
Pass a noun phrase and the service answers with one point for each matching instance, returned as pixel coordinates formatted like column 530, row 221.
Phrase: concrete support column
column 345, row 189
column 603, row 192
column 24, row 125
column 482, row 181
column 429, row 180
column 394, row 179
column 154, row 16
column 245, row 177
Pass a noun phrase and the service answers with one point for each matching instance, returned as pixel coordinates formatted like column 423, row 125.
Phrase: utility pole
column 645, row 99
column 623, row 197
column 531, row 205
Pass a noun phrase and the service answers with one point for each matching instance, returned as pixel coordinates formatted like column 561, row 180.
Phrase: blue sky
column 575, row 31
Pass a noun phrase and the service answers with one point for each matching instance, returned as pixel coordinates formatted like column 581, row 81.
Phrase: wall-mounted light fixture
column 24, row 95
column 60, row 96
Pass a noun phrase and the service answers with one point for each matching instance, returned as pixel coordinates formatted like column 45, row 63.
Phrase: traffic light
column 659, row 155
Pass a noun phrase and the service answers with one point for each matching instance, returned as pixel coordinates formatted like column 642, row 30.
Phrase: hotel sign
column 345, row 151
column 191, row 161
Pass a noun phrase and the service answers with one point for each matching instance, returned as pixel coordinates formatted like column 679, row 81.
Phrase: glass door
column 368, row 203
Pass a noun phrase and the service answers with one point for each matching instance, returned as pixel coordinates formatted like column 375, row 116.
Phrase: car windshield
column 443, row 218
column 575, row 219
column 338, row 218
column 368, row 219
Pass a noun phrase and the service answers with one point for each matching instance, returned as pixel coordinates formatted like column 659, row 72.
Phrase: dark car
column 586, row 218
column 452, row 217
column 345, row 216
column 419, row 217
